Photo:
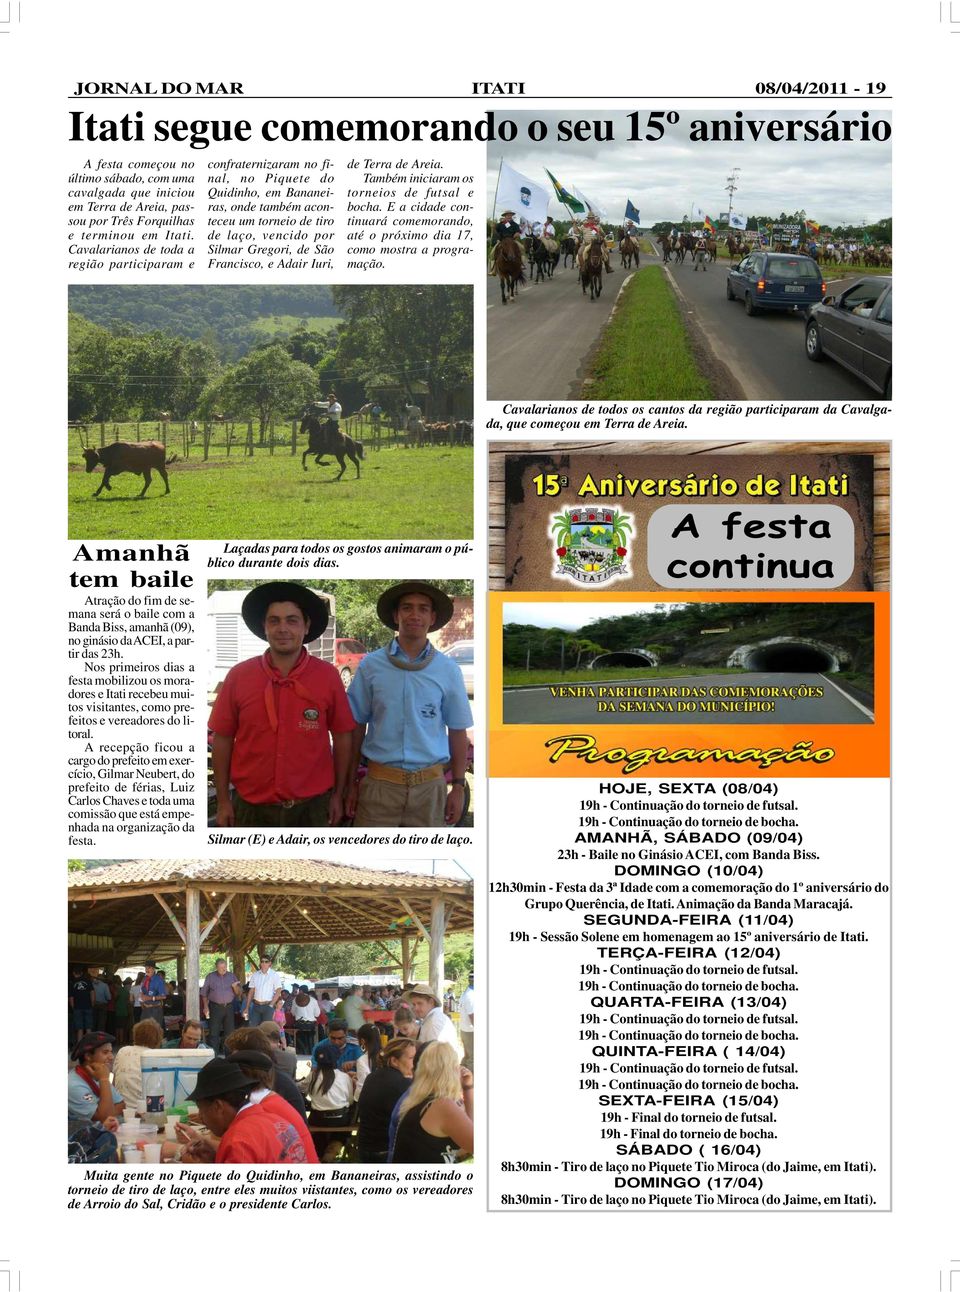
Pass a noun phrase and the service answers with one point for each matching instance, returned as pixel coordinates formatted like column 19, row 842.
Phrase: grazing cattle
column 326, row 438
column 140, row 459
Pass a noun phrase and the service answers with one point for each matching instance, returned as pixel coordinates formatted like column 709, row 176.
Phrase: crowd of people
column 398, row 1083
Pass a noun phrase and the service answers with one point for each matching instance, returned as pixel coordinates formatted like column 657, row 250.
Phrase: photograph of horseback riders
column 270, row 412
column 707, row 259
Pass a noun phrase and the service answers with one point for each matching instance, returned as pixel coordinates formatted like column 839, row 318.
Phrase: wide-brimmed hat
column 387, row 602
column 258, row 600
column 421, row 989
column 219, row 1077
column 503, row 213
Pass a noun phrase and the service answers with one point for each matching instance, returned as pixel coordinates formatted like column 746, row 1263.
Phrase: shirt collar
column 394, row 649
column 275, row 673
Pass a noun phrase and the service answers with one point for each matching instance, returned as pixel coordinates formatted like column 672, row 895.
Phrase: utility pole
column 731, row 187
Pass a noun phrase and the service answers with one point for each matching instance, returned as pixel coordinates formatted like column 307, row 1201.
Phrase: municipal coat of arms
column 591, row 544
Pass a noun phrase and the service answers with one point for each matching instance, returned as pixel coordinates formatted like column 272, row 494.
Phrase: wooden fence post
column 293, row 437
column 249, row 446
column 206, row 441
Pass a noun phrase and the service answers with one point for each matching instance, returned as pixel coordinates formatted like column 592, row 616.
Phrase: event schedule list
column 692, row 979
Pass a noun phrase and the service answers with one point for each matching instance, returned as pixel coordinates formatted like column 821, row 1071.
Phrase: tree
column 414, row 335
column 265, row 383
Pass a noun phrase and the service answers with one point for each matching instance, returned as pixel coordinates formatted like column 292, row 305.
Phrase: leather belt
column 396, row 775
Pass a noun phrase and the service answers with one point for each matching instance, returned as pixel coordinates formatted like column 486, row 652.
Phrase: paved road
column 538, row 345
column 766, row 352
column 537, row 705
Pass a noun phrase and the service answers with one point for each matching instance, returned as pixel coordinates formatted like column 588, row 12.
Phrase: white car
column 462, row 654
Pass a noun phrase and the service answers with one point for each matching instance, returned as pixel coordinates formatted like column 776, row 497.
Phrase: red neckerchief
column 85, row 1076
column 277, row 679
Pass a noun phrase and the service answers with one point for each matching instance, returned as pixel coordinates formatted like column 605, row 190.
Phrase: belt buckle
column 287, row 804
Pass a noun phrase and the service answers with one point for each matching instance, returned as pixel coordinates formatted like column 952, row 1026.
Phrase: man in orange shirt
column 276, row 716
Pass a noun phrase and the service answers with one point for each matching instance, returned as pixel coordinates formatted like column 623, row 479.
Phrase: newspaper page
column 450, row 772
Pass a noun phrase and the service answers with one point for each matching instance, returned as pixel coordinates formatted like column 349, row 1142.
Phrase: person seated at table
column 343, row 1052
column 91, row 1099
column 259, row 1067
column 190, row 1038
column 330, row 1093
column 382, row 1090
column 127, row 1077
column 435, row 1116
column 404, row 1023
column 245, row 1131
column 368, row 1038
column 251, row 1038
column 284, row 1059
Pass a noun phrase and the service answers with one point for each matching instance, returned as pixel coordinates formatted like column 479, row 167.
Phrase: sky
column 835, row 183
column 573, row 615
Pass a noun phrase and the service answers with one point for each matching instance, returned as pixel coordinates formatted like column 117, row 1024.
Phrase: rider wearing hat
column 275, row 717
column 411, row 707
column 506, row 227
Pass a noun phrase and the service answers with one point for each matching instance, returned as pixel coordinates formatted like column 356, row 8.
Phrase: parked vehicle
column 462, row 654
column 348, row 653
column 775, row 280
column 856, row 329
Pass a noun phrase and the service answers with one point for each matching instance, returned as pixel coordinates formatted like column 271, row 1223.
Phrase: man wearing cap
column 412, row 713
column 275, row 718
column 265, row 989
column 153, row 993
column 246, row 1132
column 435, row 1025
column 217, row 995
column 90, row 1096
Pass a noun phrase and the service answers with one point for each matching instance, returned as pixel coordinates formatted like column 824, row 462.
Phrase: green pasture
column 271, row 325
column 401, row 493
column 644, row 352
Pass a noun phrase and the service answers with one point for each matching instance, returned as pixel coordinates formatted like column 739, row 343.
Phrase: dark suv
column 775, row 280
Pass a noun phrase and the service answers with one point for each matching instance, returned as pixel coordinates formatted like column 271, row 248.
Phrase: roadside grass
column 644, row 352
column 401, row 493
column 830, row 272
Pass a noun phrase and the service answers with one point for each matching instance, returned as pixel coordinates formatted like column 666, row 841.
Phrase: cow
column 141, row 459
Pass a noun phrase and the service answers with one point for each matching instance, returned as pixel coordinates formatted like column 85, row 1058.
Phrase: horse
column 541, row 258
column 326, row 438
column 570, row 246
column 629, row 252
column 508, row 264
column 592, row 270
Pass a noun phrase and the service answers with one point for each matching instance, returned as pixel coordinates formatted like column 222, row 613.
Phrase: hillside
column 231, row 318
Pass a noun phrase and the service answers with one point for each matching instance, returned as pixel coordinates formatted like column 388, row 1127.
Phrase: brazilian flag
column 565, row 198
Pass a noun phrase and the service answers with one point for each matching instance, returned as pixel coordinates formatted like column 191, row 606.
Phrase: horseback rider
column 548, row 230
column 332, row 411
column 506, row 227
column 592, row 233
